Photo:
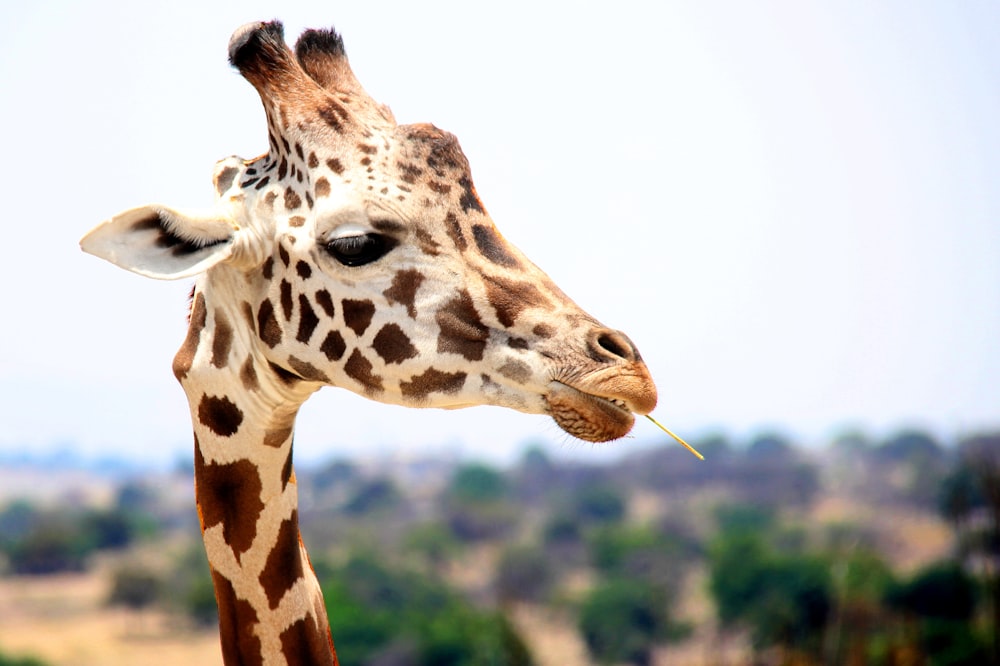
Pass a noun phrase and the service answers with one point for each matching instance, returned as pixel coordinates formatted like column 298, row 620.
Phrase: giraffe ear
column 161, row 242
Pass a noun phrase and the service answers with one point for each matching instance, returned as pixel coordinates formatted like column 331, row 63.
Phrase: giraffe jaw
column 590, row 417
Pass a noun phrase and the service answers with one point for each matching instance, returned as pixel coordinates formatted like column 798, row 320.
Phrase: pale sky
column 792, row 208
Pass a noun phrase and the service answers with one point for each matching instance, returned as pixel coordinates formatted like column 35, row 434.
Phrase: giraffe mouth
column 590, row 417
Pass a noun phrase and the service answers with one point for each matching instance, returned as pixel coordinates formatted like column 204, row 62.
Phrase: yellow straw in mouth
column 679, row 440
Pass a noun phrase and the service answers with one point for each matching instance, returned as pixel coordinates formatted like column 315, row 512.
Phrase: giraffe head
column 356, row 253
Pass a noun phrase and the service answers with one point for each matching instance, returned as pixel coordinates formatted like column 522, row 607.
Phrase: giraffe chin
column 586, row 416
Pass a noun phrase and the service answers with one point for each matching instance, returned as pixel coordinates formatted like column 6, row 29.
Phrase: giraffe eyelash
column 359, row 249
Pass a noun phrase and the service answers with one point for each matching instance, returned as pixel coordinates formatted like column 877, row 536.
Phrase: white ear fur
column 161, row 242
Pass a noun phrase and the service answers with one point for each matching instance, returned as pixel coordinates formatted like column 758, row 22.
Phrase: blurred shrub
column 783, row 599
column 380, row 615
column 476, row 504
column 600, row 503
column 7, row 660
column 524, row 573
column 943, row 591
column 477, row 483
column 189, row 590
column 51, row 546
column 52, row 541
column 433, row 542
column 622, row 621
column 372, row 496
column 638, row 553
column 135, row 587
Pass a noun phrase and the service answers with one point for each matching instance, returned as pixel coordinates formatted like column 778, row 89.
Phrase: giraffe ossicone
column 355, row 253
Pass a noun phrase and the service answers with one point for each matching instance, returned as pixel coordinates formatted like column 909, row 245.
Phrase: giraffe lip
column 588, row 416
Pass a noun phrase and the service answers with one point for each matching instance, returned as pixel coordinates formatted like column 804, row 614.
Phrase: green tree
column 622, row 620
column 942, row 591
column 785, row 599
column 943, row 598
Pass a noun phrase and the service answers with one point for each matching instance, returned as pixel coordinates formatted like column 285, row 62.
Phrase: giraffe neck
column 271, row 609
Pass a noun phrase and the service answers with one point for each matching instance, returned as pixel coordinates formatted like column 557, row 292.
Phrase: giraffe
column 354, row 253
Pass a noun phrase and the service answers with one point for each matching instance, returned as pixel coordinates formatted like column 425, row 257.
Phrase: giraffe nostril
column 615, row 344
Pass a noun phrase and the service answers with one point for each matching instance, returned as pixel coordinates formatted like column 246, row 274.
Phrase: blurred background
column 792, row 209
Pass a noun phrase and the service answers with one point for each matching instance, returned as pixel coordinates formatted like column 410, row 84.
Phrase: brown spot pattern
column 517, row 343
column 515, row 370
column 492, row 246
column 239, row 644
column 403, row 289
column 511, row 297
column 303, row 269
column 428, row 245
column 267, row 270
column 304, row 643
column 357, row 314
column 307, row 320
column 222, row 340
column 225, row 179
column 543, row 331
column 275, row 438
column 469, row 199
column 322, row 187
column 296, row 221
column 455, row 233
column 284, row 563
column 229, row 494
column 359, row 369
column 333, row 114
column 286, row 299
column 333, row 346
column 439, row 187
column 325, row 301
column 393, row 345
column 410, row 172
column 432, row 381
column 267, row 325
column 335, row 165
column 220, row 415
column 462, row 331
column 292, row 199
column 185, row 355
column 248, row 375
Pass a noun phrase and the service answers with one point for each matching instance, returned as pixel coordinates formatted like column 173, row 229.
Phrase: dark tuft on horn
column 258, row 47
column 327, row 42
column 321, row 55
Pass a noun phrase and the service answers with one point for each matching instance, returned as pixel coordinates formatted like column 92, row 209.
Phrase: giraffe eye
column 360, row 249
